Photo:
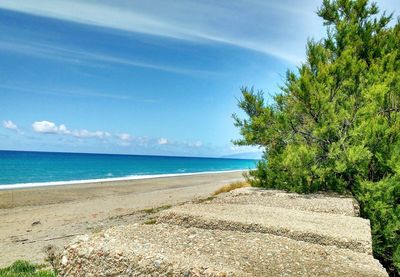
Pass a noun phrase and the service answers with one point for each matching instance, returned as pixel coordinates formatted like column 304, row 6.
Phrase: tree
column 335, row 125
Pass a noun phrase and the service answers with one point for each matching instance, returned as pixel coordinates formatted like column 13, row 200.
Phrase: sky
column 143, row 77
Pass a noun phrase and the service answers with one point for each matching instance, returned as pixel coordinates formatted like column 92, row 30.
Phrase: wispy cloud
column 125, row 139
column 83, row 133
column 8, row 124
column 194, row 144
column 74, row 92
column 184, row 144
column 163, row 141
column 88, row 58
column 270, row 28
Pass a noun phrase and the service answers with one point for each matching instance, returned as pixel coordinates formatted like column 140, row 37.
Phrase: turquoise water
column 18, row 167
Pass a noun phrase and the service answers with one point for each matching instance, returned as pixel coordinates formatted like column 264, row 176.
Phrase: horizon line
column 145, row 155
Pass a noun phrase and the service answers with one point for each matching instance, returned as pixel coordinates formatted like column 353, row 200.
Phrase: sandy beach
column 33, row 218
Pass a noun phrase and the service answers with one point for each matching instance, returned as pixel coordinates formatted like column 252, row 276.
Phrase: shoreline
column 76, row 191
column 36, row 217
column 17, row 186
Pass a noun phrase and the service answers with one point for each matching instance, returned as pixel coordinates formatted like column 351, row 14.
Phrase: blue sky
column 142, row 77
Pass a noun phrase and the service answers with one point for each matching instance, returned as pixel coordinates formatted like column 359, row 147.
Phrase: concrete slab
column 168, row 250
column 324, row 203
column 322, row 228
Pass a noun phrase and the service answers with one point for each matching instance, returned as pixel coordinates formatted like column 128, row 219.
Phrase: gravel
column 168, row 250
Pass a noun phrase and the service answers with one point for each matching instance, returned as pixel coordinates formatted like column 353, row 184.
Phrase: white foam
column 89, row 181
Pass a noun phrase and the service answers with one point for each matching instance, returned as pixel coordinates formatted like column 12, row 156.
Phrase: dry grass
column 232, row 186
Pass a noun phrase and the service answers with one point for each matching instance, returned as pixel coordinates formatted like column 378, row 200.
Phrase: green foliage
column 156, row 210
column 335, row 126
column 381, row 204
column 25, row 269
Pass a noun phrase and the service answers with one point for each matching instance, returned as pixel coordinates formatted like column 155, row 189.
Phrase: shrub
column 335, row 124
column 380, row 202
column 24, row 269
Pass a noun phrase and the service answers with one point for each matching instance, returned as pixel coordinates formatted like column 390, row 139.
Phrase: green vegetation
column 150, row 222
column 25, row 269
column 335, row 125
column 232, row 186
column 204, row 200
column 380, row 203
column 156, row 210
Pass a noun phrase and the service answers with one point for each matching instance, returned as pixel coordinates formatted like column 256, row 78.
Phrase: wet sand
column 33, row 218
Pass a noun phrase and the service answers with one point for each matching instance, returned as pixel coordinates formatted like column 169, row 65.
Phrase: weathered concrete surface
column 248, row 232
column 168, row 250
column 332, row 204
column 321, row 228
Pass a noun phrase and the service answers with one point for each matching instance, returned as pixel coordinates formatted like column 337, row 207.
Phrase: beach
column 36, row 217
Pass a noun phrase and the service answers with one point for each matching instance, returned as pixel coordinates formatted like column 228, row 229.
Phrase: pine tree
column 335, row 125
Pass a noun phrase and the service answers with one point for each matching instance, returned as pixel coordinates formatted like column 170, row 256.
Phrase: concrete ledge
column 168, row 250
column 322, row 228
column 323, row 203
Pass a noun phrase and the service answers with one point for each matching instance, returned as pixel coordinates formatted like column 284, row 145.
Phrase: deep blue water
column 18, row 167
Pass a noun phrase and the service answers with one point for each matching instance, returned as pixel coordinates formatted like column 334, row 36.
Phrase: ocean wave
column 89, row 181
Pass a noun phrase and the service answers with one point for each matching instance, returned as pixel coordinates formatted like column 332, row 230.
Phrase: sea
column 19, row 169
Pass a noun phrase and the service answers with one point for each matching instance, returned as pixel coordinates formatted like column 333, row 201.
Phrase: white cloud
column 83, row 133
column 45, row 127
column 184, row 144
column 163, row 141
column 48, row 127
column 63, row 130
column 8, row 124
column 197, row 144
column 125, row 137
